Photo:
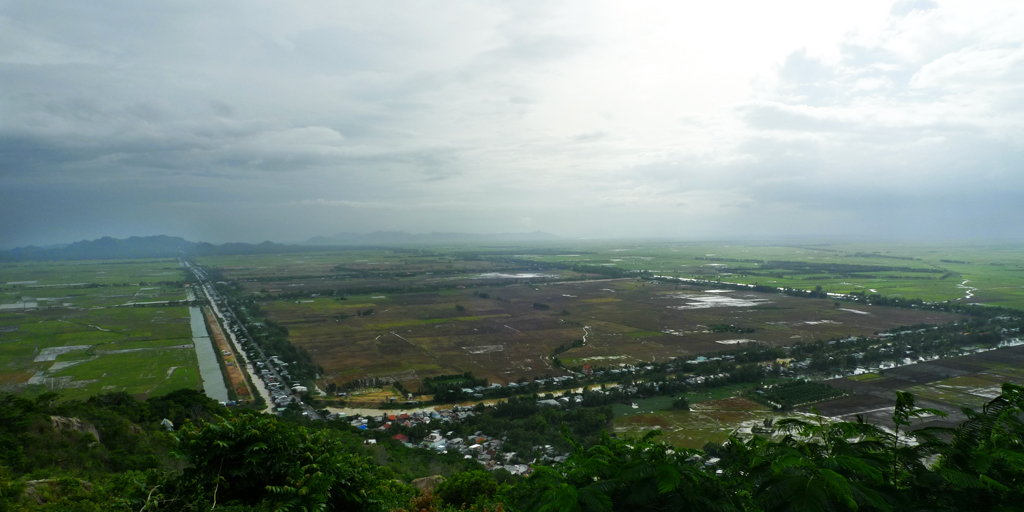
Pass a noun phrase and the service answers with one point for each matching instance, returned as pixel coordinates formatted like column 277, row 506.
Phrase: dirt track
column 231, row 364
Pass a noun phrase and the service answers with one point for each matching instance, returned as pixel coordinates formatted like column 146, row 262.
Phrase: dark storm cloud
column 252, row 121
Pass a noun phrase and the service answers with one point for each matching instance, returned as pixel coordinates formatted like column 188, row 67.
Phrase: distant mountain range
column 163, row 246
column 140, row 247
column 403, row 238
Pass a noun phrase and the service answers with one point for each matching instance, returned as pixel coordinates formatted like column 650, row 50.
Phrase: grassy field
column 89, row 284
column 708, row 421
column 64, row 327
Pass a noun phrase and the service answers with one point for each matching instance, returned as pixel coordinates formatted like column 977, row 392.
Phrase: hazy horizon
column 567, row 242
column 252, row 121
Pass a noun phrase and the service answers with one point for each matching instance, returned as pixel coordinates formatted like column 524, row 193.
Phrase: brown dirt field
column 234, row 372
column 961, row 365
column 15, row 377
column 852, row 405
column 503, row 338
column 922, row 373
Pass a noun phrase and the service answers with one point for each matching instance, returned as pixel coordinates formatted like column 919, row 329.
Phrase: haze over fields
column 249, row 121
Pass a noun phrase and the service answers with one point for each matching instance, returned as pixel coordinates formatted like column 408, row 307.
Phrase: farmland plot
column 507, row 336
column 79, row 338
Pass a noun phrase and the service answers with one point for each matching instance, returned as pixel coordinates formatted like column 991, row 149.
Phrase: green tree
column 681, row 404
column 983, row 466
column 635, row 474
column 819, row 465
column 907, row 453
column 467, row 488
column 247, row 457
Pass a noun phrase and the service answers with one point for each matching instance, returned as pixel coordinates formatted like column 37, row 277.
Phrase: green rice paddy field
column 86, row 327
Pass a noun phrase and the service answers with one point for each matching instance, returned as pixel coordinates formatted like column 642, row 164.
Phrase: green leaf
column 594, row 499
column 992, row 484
column 667, row 477
column 838, row 487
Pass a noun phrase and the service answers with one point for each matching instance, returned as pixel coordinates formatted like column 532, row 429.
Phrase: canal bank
column 209, row 367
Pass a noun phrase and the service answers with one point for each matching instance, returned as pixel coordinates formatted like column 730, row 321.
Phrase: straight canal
column 209, row 367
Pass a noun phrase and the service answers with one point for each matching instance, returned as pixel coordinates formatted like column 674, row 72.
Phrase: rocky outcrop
column 52, row 489
column 65, row 424
column 428, row 484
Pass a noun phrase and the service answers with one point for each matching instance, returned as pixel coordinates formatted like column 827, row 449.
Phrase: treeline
column 730, row 328
column 843, row 269
column 374, row 289
column 412, row 287
column 445, row 384
column 912, row 343
column 788, row 395
column 531, row 265
column 363, row 383
column 514, row 251
column 663, row 379
column 363, row 272
column 877, row 255
column 565, row 347
column 272, row 337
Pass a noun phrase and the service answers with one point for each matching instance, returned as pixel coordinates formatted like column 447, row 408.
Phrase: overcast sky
column 248, row 121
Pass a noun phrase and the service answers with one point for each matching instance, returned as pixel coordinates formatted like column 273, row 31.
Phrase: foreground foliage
column 814, row 466
column 223, row 460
